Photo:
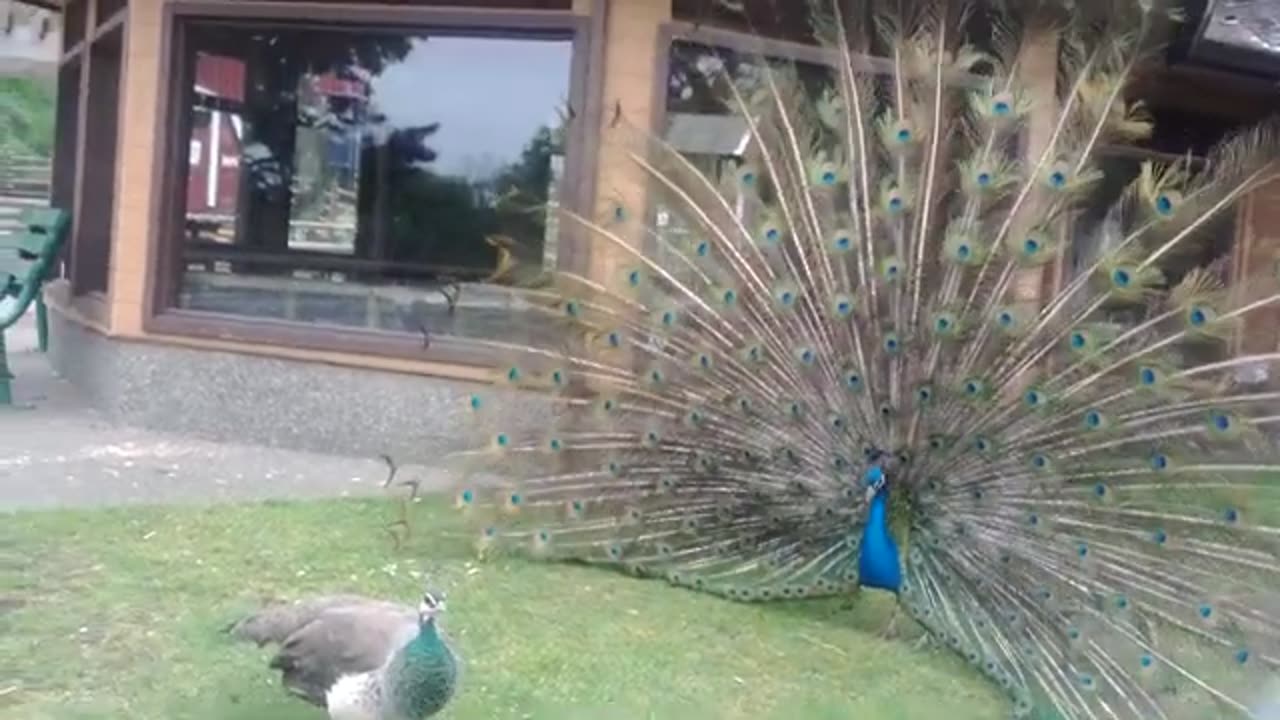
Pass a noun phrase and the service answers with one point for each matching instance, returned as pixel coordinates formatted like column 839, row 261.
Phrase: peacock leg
column 890, row 631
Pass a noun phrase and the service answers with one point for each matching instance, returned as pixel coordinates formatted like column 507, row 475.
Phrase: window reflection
column 344, row 177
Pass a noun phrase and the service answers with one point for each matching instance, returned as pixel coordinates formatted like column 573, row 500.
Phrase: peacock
column 901, row 345
column 360, row 658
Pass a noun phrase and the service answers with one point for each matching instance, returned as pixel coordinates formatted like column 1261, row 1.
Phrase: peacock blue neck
column 878, row 558
column 420, row 679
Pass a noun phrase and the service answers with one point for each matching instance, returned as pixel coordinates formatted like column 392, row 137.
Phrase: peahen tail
column 866, row 338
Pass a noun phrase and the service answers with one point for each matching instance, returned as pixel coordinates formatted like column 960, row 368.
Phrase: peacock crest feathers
column 1082, row 487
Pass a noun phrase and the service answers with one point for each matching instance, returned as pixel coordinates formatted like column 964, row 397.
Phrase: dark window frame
column 162, row 316
column 86, row 266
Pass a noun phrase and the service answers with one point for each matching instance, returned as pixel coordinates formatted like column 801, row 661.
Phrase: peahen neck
column 420, row 679
column 878, row 559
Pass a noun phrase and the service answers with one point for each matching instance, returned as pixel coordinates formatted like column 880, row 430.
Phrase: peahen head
column 431, row 606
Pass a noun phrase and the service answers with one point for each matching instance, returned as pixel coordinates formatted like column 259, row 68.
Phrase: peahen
column 862, row 359
column 359, row 658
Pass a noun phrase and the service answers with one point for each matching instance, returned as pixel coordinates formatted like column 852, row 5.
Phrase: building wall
column 630, row 87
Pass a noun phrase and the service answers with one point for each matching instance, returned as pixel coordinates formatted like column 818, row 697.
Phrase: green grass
column 118, row 614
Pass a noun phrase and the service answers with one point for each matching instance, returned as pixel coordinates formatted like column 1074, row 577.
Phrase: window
column 703, row 121
column 84, row 162
column 93, row 235
column 346, row 177
column 780, row 19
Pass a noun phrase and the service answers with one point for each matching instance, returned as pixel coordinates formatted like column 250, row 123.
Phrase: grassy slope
column 114, row 614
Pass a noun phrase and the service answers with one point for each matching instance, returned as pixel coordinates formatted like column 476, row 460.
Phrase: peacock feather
column 861, row 362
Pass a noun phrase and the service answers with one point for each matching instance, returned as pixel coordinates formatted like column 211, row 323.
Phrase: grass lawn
column 119, row 614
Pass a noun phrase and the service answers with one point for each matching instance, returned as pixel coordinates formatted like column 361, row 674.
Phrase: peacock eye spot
column 468, row 496
column 787, row 298
column 1197, row 317
column 475, row 402
column 1205, row 611
column 843, row 242
column 1078, row 340
column 843, row 307
column 828, row 178
column 1121, row 278
column 925, row 393
column 1147, row 376
column 503, row 439
column 1031, row 246
column 513, row 374
column 1082, row 550
column 1242, row 656
column 633, row 278
column 1033, row 519
column 748, row 178
column 1039, row 461
column 1100, row 490
column 1164, row 204
column 1006, row 319
column 1057, row 179
column 1159, row 462
column 1160, row 537
column 904, row 135
column 668, row 318
column 1231, row 515
column 703, row 248
column 1146, row 661
column 943, row 323
column 1093, row 418
column 1000, row 107
column 1221, row 422
column 772, row 234
column 515, row 498
column 971, row 388
column 895, row 203
column 963, row 252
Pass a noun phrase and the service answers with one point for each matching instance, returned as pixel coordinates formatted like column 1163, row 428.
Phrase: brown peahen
column 861, row 359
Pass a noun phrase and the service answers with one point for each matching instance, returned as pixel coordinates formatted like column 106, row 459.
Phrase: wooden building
column 269, row 195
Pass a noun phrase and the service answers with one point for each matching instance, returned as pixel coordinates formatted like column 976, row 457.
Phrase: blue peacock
column 860, row 359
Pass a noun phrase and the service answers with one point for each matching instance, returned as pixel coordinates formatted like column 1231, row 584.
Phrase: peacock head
column 875, row 477
column 431, row 606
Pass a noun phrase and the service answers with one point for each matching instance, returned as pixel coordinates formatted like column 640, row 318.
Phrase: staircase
column 24, row 182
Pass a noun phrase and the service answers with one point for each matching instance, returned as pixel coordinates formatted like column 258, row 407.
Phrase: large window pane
column 703, row 120
column 91, row 244
column 342, row 176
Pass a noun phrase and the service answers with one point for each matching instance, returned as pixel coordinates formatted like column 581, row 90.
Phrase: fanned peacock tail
column 1085, row 496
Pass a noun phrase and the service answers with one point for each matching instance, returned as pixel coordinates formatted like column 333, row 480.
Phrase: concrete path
column 62, row 453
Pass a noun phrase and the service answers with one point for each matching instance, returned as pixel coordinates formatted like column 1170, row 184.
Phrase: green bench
column 26, row 259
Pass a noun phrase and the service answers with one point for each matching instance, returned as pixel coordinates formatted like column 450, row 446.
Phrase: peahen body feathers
column 862, row 359
column 359, row 658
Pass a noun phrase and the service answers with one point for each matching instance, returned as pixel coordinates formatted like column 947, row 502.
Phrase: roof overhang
column 1238, row 35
